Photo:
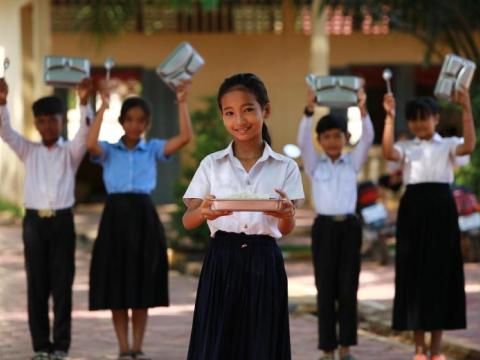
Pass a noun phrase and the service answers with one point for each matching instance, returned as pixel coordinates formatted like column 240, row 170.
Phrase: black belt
column 337, row 218
column 47, row 213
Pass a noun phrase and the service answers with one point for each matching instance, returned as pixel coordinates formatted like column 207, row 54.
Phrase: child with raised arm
column 129, row 268
column 336, row 232
column 48, row 228
column 429, row 280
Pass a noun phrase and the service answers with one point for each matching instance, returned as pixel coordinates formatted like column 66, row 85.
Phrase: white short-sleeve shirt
column 430, row 160
column 221, row 174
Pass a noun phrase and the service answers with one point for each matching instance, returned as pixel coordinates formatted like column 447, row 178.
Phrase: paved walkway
column 169, row 328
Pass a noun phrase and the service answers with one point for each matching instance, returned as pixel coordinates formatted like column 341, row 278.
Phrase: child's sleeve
column 17, row 143
column 400, row 147
column 304, row 141
column 360, row 152
column 199, row 187
column 453, row 143
column 100, row 160
column 293, row 185
column 78, row 145
column 159, row 150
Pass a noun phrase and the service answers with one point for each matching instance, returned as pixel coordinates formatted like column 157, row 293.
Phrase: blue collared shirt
column 131, row 170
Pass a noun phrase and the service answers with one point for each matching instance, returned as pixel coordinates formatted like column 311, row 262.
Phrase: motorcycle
column 377, row 227
column 468, row 221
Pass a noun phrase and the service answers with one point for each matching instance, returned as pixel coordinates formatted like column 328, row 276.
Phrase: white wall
column 11, row 170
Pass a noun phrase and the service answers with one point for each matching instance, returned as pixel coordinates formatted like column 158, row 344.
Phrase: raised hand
column 311, row 98
column 389, row 104
column 287, row 210
column 362, row 101
column 462, row 98
column 3, row 91
column 182, row 91
column 84, row 89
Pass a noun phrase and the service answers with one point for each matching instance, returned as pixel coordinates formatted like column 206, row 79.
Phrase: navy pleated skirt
column 241, row 310
column 429, row 280
column 129, row 267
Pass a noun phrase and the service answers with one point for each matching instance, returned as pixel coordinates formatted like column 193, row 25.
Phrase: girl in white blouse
column 241, row 310
column 429, row 282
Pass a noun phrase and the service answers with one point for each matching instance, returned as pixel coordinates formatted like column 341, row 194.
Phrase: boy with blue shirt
column 336, row 232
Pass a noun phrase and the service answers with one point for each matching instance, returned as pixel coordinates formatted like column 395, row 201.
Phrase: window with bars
column 155, row 16
column 229, row 16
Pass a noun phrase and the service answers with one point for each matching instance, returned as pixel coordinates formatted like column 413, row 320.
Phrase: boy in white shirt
column 48, row 228
column 336, row 233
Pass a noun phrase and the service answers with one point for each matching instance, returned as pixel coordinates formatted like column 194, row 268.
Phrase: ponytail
column 266, row 135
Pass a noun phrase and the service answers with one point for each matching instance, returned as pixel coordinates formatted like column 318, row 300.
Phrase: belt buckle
column 339, row 218
column 46, row 213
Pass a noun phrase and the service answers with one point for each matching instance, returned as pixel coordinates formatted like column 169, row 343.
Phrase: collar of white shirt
column 59, row 143
column 435, row 138
column 325, row 158
column 267, row 152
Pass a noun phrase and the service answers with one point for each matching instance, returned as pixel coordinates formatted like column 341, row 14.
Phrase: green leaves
column 210, row 136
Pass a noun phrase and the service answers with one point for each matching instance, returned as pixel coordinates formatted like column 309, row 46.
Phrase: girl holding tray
column 241, row 310
column 429, row 280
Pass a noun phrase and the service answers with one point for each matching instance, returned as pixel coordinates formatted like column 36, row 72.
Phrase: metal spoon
column 6, row 64
column 387, row 76
column 109, row 64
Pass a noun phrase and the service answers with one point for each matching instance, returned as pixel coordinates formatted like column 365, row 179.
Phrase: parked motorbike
column 468, row 222
column 377, row 227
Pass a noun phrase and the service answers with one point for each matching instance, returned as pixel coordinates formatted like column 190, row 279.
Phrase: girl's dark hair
column 421, row 108
column 132, row 102
column 252, row 84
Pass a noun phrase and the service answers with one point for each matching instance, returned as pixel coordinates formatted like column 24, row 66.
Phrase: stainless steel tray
column 180, row 65
column 456, row 72
column 62, row 71
column 335, row 91
column 247, row 204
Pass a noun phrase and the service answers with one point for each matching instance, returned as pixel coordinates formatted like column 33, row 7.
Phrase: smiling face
column 332, row 142
column 135, row 123
column 242, row 115
column 423, row 128
column 50, row 127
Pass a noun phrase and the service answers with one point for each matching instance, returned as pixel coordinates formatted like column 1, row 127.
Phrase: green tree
column 211, row 136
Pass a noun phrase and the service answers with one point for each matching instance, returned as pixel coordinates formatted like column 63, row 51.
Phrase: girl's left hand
column 462, row 98
column 182, row 91
column 288, row 209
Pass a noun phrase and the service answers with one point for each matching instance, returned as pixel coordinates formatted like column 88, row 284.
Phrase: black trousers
column 336, row 260
column 49, row 249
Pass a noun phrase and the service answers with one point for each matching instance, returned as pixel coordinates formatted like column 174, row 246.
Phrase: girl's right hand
column 105, row 96
column 208, row 213
column 3, row 91
column 311, row 97
column 182, row 91
column 389, row 104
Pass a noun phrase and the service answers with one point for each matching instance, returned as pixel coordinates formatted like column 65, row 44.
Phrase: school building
column 280, row 40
